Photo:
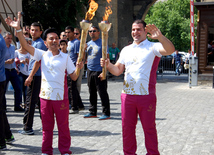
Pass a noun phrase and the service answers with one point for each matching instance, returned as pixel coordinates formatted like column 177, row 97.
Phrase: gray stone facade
column 124, row 13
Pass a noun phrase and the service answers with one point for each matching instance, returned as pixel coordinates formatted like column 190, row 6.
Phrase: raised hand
column 14, row 23
column 155, row 33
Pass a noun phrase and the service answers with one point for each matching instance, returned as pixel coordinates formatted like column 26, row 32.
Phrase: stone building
column 124, row 13
column 9, row 8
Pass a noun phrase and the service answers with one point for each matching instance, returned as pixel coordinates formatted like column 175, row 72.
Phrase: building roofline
column 203, row 3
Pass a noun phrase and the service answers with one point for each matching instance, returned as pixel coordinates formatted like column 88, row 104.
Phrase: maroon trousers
column 145, row 107
column 59, row 109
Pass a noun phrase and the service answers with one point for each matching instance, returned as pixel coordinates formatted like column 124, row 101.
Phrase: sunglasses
column 92, row 31
column 76, row 33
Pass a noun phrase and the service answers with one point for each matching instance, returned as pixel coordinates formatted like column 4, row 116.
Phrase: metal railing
column 166, row 66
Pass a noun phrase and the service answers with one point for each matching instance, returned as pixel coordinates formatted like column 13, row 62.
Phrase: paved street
column 185, row 123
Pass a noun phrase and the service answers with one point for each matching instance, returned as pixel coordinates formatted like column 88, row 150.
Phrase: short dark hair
column 63, row 40
column 37, row 24
column 47, row 31
column 69, row 28
column 78, row 29
column 0, row 21
column 96, row 27
column 139, row 21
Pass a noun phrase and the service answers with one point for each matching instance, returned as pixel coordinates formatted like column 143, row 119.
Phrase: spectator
column 77, row 33
column 5, row 132
column 22, row 61
column 177, row 59
column 33, row 81
column 52, row 93
column 113, row 53
column 63, row 35
column 63, row 44
column 96, row 84
column 140, row 62
column 11, row 74
column 186, row 65
column 73, row 50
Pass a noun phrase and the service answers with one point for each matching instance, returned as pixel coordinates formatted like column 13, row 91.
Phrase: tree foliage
column 53, row 13
column 172, row 17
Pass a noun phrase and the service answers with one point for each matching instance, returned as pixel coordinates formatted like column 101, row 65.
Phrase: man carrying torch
column 95, row 83
column 140, row 61
column 54, row 102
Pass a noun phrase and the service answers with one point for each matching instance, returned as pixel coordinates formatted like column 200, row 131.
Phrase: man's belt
column 10, row 69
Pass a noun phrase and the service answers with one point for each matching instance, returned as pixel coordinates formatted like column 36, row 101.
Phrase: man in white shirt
column 53, row 98
column 140, row 61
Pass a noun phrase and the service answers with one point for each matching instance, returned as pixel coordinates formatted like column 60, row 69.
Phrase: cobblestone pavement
column 185, row 123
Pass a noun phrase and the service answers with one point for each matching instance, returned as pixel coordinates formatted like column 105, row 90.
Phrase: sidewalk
column 185, row 123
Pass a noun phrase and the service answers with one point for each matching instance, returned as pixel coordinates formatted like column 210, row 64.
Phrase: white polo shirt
column 53, row 73
column 141, row 62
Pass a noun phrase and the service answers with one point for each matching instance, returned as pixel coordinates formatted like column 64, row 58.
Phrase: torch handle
column 104, row 50
column 81, row 49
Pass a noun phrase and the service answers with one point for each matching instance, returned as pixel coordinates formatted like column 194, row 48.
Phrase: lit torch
column 105, row 27
column 85, row 26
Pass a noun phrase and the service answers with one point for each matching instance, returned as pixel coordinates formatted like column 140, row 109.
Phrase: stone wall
column 15, row 6
column 124, row 13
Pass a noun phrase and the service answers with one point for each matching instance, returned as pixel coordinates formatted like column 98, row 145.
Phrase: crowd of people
column 43, row 68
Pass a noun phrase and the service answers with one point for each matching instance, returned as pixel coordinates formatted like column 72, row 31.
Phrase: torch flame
column 93, row 6
column 108, row 11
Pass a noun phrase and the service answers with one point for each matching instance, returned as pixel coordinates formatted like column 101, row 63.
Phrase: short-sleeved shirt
column 23, row 68
column 141, row 62
column 73, row 49
column 113, row 53
column 187, row 57
column 94, row 50
column 3, row 49
column 10, row 54
column 39, row 44
column 177, row 57
column 53, row 73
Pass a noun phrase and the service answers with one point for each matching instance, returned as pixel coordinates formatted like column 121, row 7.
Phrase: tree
column 53, row 13
column 173, row 19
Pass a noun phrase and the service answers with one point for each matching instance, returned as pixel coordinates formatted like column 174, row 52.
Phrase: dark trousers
column 96, row 85
column 11, row 75
column 4, row 125
column 32, row 99
column 22, row 79
column 73, row 93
